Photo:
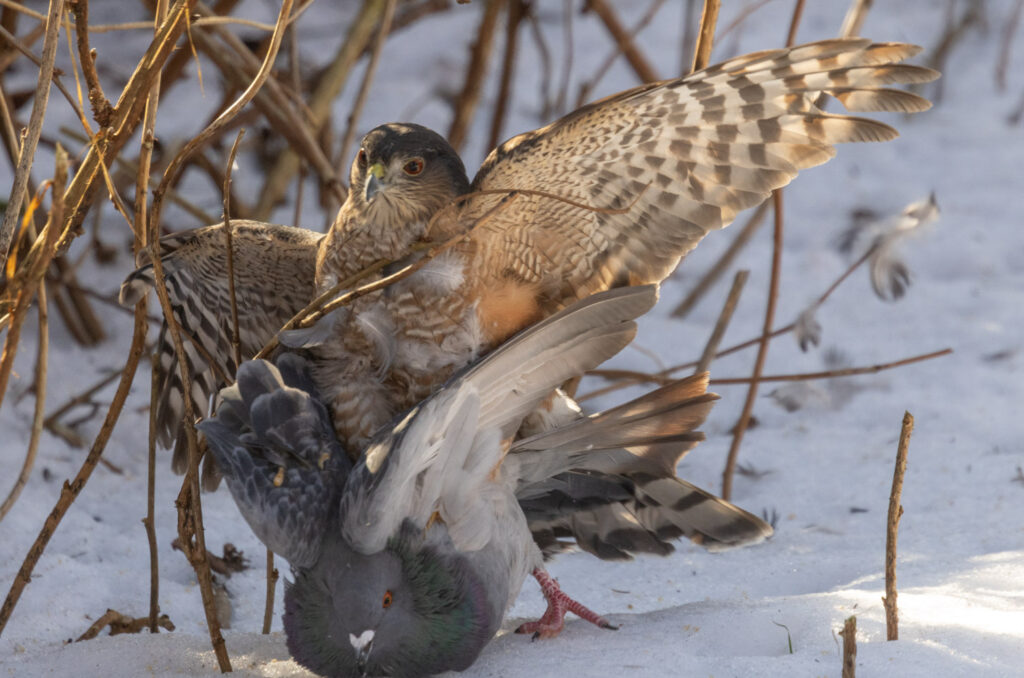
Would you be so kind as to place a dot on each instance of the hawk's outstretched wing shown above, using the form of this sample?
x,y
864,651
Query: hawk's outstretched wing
x,y
684,156
274,279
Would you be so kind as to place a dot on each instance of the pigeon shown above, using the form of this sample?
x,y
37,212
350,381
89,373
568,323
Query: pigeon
x,y
405,562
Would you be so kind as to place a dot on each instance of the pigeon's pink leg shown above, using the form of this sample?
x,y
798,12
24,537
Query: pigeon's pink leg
x,y
550,625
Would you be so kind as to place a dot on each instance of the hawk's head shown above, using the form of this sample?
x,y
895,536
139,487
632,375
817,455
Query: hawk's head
x,y
404,173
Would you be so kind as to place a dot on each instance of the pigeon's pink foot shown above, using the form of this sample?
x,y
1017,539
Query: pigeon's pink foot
x,y
550,625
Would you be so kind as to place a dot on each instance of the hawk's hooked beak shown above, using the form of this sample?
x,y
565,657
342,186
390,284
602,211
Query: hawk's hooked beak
x,y
373,181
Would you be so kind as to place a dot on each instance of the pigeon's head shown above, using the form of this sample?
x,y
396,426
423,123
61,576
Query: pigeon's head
x,y
413,609
404,173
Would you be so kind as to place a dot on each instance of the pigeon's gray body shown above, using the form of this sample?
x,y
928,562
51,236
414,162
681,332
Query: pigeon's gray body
x,y
406,563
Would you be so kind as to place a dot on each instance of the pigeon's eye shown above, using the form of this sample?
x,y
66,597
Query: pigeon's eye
x,y
388,599
413,167
361,157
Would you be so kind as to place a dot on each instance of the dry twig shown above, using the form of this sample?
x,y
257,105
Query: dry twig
x,y
624,40
479,55
516,13
71,490
762,352
364,86
892,527
723,321
849,634
120,623
42,356
723,263
588,87
702,55
35,128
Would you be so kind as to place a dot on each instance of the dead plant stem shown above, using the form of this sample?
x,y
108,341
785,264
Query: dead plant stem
x,y
723,321
892,527
42,356
762,352
706,36
72,489
35,127
364,86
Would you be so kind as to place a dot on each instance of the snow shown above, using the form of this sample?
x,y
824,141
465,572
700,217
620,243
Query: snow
x,y
827,466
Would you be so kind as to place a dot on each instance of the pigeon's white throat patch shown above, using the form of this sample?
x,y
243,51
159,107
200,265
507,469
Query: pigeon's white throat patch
x,y
362,641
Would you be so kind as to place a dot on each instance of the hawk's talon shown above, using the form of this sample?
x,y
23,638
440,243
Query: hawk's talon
x,y
553,620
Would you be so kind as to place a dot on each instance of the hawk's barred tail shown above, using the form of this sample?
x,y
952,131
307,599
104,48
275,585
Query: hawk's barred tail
x,y
616,502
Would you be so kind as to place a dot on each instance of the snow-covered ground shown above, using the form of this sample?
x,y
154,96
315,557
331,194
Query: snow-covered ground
x,y
827,468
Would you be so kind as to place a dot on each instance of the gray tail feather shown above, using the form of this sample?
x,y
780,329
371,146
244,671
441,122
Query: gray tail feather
x,y
648,434
274,444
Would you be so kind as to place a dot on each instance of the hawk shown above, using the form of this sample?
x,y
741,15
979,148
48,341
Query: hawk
x,y
613,194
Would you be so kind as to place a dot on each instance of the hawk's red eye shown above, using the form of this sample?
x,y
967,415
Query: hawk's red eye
x,y
361,158
388,599
414,166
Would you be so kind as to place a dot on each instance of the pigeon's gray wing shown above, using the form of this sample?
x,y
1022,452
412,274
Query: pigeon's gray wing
x,y
274,444
274,270
609,481
444,457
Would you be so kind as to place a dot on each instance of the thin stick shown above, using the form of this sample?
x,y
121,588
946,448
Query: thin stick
x,y
849,634
723,321
516,12
30,276
141,231
236,337
35,127
892,631
190,521
127,113
624,40
190,516
101,108
22,48
268,608
405,271
794,23
833,374
1006,44
723,263
662,378
480,52
666,373
71,490
177,164
330,82
702,55
149,522
762,352
588,87
364,86
327,301
42,356
854,19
